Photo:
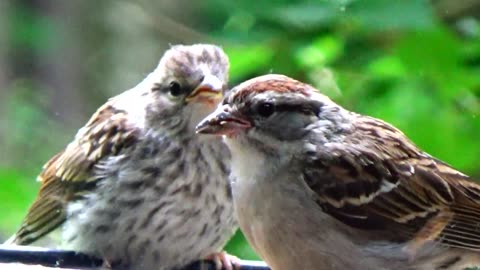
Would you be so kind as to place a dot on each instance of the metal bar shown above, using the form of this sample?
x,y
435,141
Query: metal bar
x,y
71,259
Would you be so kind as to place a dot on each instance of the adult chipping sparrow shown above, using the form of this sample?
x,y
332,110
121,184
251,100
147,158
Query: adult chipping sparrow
x,y
137,186
320,187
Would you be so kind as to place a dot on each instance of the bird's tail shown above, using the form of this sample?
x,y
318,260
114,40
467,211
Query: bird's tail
x,y
11,241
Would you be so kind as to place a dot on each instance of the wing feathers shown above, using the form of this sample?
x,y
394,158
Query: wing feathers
x,y
69,174
385,182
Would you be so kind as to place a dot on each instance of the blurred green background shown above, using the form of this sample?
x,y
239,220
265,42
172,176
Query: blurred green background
x,y
413,63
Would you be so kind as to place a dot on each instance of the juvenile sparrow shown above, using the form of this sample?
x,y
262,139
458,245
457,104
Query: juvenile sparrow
x,y
320,187
137,186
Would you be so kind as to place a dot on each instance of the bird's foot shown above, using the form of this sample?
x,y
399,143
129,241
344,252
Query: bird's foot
x,y
223,260
106,265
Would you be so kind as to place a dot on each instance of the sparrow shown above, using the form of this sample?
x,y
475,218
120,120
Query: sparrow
x,y
137,187
319,187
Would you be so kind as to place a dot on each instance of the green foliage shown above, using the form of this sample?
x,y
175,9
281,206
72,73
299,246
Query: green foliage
x,y
238,246
30,30
16,193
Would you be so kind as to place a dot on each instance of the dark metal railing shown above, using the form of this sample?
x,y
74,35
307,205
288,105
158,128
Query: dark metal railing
x,y
75,260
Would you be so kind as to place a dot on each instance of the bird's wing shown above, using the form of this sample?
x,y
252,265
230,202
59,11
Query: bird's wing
x,y
384,183
69,174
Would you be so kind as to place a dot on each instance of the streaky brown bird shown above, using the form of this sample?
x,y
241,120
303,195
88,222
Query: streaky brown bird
x,y
137,186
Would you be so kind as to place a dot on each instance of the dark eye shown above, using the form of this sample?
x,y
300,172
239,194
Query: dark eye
x,y
265,109
175,89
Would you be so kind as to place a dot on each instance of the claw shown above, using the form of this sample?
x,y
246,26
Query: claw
x,y
225,261
106,265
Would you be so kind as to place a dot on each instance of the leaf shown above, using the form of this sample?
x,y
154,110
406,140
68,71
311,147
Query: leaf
x,y
321,51
383,15
17,192
238,246
247,59
387,66
435,56
305,15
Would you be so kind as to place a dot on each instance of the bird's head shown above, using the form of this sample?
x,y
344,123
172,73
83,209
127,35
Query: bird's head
x,y
271,113
187,85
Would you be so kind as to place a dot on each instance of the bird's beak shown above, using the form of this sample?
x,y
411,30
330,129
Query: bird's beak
x,y
223,122
208,91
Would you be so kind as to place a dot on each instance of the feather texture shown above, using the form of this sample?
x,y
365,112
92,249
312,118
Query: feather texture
x,y
69,174
382,181
320,187
136,186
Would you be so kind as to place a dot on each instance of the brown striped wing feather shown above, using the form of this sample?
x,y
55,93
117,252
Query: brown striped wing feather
x,y
382,182
69,174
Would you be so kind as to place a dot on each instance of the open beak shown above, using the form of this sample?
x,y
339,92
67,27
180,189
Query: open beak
x,y
223,122
208,91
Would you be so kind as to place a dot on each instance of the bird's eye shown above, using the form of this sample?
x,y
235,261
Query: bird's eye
x,y
175,89
265,109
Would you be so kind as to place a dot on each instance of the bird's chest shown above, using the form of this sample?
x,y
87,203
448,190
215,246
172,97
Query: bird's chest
x,y
155,204
287,228
267,221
